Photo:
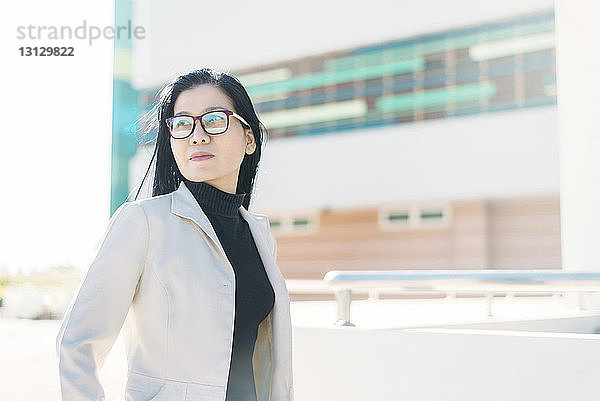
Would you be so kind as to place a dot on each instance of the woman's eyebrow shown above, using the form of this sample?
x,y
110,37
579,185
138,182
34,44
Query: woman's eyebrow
x,y
209,108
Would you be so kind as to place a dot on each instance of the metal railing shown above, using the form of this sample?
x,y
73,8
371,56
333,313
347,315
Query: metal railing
x,y
345,283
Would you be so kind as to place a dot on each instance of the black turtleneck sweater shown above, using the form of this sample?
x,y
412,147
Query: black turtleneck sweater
x,y
254,296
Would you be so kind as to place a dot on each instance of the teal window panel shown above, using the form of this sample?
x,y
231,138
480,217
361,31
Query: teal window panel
x,y
436,97
549,79
432,215
300,222
315,114
429,81
544,16
329,78
416,50
398,217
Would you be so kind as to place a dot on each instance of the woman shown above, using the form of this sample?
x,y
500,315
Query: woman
x,y
188,273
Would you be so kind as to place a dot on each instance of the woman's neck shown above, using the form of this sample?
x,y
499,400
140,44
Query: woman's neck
x,y
214,200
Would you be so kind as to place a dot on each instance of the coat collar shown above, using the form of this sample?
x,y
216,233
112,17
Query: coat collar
x,y
185,205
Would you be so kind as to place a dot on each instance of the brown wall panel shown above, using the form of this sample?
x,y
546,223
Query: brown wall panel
x,y
506,234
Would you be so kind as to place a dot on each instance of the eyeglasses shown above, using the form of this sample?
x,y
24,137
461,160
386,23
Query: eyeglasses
x,y
213,122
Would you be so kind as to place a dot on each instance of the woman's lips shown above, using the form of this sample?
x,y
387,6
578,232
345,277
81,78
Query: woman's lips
x,y
203,157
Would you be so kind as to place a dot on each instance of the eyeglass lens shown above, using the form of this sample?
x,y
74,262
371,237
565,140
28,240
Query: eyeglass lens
x,y
213,123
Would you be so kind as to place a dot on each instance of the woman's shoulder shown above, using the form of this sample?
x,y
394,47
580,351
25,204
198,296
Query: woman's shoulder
x,y
156,204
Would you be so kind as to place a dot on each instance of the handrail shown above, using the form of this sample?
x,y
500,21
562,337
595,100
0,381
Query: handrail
x,y
488,281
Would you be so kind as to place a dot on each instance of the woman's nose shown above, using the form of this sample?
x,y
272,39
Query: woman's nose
x,y
199,135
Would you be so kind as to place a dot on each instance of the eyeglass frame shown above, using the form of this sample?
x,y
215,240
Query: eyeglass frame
x,y
229,113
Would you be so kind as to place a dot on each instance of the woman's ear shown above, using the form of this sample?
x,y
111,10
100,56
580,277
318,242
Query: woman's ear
x,y
250,142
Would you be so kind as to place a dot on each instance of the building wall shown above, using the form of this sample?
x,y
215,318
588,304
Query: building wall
x,y
461,112
506,154
457,116
525,233
519,233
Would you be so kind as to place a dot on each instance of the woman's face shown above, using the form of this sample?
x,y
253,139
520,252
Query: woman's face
x,y
229,148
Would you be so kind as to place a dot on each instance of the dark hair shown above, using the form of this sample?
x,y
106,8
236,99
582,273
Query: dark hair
x,y
167,176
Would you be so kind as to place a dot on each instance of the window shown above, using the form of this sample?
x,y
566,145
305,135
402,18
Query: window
x,y
294,223
414,216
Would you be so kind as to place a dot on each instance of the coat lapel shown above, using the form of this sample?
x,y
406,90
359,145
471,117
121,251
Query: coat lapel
x,y
185,205
264,249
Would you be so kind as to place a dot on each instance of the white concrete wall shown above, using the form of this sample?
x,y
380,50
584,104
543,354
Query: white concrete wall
x,y
246,34
350,364
501,154
568,324
578,86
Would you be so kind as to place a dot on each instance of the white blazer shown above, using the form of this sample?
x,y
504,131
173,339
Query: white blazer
x,y
162,275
